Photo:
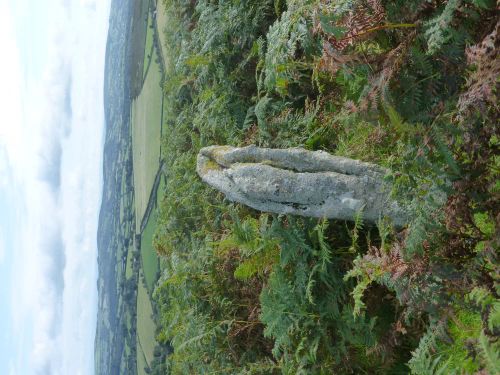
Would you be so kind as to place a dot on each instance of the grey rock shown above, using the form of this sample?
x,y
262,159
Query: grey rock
x,y
299,182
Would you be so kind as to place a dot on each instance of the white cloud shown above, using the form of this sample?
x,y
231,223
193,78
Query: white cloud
x,y
53,154
5,172
2,247
10,97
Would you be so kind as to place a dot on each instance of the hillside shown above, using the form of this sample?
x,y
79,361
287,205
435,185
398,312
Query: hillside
x,y
116,219
128,265
192,283
408,85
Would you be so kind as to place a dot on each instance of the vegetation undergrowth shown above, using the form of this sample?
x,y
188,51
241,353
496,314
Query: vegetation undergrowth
x,y
410,85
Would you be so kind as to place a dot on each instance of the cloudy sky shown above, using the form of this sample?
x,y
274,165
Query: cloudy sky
x,y
51,137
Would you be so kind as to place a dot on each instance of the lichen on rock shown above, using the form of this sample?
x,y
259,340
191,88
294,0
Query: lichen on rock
x,y
299,182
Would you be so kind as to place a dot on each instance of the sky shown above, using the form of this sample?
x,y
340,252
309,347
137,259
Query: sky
x,y
51,147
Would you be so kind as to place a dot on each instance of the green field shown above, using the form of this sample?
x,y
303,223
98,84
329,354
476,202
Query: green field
x,y
161,24
141,364
146,117
160,191
146,135
148,253
149,48
145,329
125,337
138,39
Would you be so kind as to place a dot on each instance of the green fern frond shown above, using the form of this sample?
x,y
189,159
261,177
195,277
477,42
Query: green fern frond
x,y
325,252
357,295
385,230
289,35
439,29
445,152
490,353
423,362
358,225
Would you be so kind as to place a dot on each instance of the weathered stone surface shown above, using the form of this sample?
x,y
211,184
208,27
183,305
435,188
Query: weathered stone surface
x,y
299,182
